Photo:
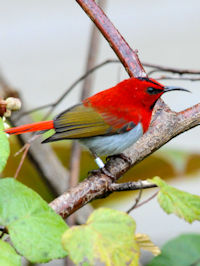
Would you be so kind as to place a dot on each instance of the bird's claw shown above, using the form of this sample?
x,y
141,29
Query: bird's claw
x,y
122,156
94,172
106,172
102,170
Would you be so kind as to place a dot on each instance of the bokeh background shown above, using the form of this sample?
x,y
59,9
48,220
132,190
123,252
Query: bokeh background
x,y
43,48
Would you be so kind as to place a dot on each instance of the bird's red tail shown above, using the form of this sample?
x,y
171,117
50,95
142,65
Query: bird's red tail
x,y
39,126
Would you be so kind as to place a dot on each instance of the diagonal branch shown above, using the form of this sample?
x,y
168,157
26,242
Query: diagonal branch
x,y
126,55
165,125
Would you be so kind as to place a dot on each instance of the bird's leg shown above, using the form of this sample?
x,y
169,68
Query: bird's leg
x,y
122,156
101,165
99,162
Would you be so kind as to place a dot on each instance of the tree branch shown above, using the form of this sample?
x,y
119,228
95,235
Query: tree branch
x,y
174,70
126,55
165,125
139,185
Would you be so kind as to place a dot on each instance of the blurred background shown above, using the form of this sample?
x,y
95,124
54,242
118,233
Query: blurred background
x,y
43,50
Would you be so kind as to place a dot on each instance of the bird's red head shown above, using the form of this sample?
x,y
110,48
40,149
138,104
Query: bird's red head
x,y
132,99
147,91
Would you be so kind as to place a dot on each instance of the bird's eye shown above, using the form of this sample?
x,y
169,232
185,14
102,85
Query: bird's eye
x,y
151,90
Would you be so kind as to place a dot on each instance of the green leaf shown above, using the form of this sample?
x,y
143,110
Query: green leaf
x,y
181,251
172,200
34,228
106,239
8,256
4,147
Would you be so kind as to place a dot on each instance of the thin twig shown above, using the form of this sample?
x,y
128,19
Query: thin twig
x,y
117,187
164,77
147,200
27,146
35,109
111,61
74,84
136,200
174,70
68,90
21,149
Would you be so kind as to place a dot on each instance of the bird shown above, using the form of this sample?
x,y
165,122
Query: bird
x,y
108,122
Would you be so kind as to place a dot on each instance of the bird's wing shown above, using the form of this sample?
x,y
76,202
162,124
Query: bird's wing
x,y
81,122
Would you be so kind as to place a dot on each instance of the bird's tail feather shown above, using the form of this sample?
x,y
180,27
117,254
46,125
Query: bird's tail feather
x,y
39,126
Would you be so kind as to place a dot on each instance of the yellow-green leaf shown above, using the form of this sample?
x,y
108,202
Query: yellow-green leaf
x,y
145,243
8,256
172,200
106,239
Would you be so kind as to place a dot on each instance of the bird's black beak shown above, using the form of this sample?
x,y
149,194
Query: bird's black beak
x,y
174,88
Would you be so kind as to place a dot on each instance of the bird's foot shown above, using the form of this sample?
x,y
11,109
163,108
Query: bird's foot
x,y
102,170
94,172
122,156
108,173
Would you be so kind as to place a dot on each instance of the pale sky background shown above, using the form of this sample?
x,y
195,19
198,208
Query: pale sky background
x,y
43,47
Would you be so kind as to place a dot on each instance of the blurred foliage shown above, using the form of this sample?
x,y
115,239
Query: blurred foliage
x,y
181,251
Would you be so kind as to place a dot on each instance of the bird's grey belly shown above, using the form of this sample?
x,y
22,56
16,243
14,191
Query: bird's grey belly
x,y
114,144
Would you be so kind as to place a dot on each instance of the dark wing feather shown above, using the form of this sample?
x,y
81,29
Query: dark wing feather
x,y
79,122
82,122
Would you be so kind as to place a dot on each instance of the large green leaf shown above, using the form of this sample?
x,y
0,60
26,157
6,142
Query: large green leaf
x,y
4,147
106,239
181,251
172,200
8,256
34,228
